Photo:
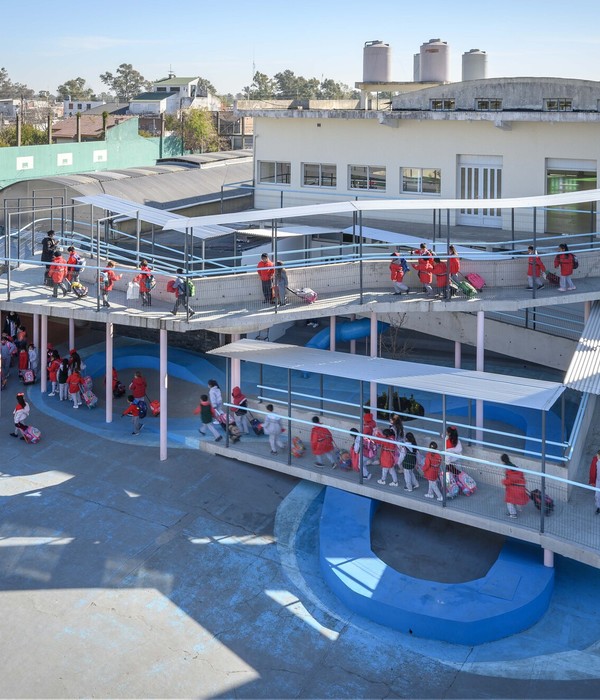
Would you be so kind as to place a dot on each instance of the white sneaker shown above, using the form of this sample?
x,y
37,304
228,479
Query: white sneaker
x,y
416,486
75,406
393,483
52,393
381,481
572,289
440,498
562,289
428,495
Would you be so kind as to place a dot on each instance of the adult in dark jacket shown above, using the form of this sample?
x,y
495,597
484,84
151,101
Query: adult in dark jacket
x,y
49,245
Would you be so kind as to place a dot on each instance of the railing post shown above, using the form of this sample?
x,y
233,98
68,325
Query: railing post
x,y
289,422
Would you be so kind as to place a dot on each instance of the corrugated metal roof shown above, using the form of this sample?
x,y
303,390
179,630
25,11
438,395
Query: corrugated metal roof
x,y
395,205
584,371
468,384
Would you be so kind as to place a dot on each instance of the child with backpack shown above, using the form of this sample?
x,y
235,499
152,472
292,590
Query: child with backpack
x,y
355,456
431,471
204,408
515,495
108,277
321,444
134,411
183,290
388,458
398,268
240,411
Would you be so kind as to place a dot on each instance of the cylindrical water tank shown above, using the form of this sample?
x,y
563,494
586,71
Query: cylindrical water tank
x,y
377,61
435,62
417,67
474,65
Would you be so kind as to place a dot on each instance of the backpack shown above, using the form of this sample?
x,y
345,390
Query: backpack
x,y
575,262
104,279
150,281
80,263
191,288
143,408
297,447
404,264
369,448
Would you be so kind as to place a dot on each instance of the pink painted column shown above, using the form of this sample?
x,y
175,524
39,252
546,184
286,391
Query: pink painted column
x,y
43,353
236,368
457,354
71,333
549,558
108,372
164,382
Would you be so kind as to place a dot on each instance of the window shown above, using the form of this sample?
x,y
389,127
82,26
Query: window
x,y
422,180
559,104
367,177
273,172
488,105
441,105
161,89
319,175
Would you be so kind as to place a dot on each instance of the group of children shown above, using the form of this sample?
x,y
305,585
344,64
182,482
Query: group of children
x,y
64,375
427,266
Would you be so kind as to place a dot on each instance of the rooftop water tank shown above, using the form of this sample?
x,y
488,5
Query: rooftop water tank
x,y
377,61
474,65
435,62
416,67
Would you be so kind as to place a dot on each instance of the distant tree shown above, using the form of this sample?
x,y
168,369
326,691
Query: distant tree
x,y
103,97
291,86
199,130
126,83
9,90
262,88
75,88
332,90
30,136
205,87
227,100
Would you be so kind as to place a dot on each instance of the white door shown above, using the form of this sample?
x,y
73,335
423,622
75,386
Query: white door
x,y
480,180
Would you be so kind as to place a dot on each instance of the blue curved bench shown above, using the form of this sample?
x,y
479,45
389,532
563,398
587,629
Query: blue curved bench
x,y
513,595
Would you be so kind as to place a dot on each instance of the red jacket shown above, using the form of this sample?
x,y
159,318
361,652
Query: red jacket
x,y
142,278
424,267
321,440
593,470
74,382
266,270
396,271
454,266
515,493
132,410
112,278
369,424
431,468
388,454
138,387
535,266
53,370
58,269
565,262
440,270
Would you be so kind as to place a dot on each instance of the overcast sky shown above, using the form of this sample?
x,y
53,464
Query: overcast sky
x,y
43,44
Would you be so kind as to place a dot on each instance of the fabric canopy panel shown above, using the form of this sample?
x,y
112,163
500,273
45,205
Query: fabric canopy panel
x,y
547,200
468,384
584,371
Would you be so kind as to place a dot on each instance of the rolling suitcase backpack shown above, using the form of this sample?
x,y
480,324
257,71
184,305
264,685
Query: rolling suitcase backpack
x,y
536,497
89,398
466,288
297,447
32,435
466,483
552,279
28,376
476,280
256,425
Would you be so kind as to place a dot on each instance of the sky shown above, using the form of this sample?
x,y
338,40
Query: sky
x,y
45,44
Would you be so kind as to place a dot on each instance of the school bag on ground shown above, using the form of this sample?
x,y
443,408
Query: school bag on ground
x,y
31,434
89,398
536,497
234,433
466,483
87,383
297,447
345,461
476,280
451,485
256,425
28,376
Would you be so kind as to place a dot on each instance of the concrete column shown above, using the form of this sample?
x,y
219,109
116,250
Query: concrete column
x,y
549,558
480,368
36,331
373,353
457,354
236,368
332,333
71,333
164,382
43,352
587,306
353,347
108,372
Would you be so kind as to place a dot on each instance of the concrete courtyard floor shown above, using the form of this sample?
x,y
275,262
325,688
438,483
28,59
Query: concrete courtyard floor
x,y
124,576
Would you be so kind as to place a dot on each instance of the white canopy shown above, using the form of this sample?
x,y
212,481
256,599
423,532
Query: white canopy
x,y
468,384
551,200
584,371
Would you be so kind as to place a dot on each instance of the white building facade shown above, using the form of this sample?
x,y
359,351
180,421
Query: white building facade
x,y
511,137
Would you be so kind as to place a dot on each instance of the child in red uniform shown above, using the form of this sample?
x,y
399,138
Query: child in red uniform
x,y
53,375
431,471
388,458
110,277
440,270
424,266
75,384
515,495
397,274
144,280
321,443
133,410
535,268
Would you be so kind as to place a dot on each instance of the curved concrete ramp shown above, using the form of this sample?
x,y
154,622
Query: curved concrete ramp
x,y
513,595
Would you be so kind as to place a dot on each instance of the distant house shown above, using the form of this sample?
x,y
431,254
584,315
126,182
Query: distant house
x,y
172,94
9,108
71,107
91,127
236,131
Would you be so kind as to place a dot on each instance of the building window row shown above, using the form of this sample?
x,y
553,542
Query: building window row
x,y
554,104
488,105
360,177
